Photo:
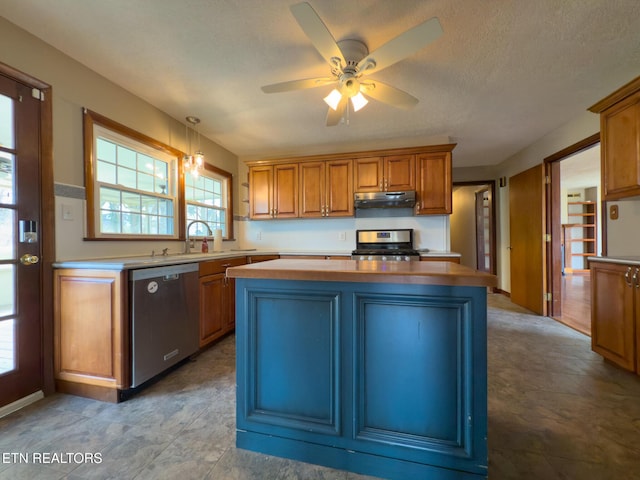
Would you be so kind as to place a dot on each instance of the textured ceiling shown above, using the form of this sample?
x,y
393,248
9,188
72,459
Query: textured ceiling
x,y
503,74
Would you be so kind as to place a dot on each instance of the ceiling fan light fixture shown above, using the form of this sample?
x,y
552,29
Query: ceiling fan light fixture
x,y
358,101
333,99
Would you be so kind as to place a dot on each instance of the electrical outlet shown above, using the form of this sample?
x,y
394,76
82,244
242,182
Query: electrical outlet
x,y
67,212
259,236
342,236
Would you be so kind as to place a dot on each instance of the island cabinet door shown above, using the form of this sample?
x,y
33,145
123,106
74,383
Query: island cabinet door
x,y
419,367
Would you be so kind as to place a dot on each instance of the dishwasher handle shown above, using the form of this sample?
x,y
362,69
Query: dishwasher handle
x,y
171,277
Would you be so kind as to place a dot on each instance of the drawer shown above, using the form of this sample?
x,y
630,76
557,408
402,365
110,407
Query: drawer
x,y
210,267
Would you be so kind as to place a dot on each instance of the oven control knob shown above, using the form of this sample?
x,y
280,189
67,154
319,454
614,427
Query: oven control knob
x,y
383,258
370,257
406,258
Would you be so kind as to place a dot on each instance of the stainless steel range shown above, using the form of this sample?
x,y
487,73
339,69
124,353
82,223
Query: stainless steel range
x,y
385,245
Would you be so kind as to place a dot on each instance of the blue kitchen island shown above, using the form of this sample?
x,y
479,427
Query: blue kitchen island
x,y
378,368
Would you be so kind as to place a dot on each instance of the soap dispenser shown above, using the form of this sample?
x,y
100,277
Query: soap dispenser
x,y
205,245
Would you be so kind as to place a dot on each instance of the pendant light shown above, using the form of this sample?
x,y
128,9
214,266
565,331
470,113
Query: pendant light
x,y
193,162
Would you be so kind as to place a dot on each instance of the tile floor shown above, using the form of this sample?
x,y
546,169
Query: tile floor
x,y
556,411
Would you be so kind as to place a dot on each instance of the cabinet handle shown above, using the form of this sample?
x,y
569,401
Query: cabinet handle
x,y
627,280
635,277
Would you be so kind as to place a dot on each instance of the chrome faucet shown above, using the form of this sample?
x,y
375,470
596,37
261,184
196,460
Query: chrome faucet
x,y
187,248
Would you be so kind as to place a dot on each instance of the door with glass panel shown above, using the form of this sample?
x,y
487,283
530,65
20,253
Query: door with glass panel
x,y
20,242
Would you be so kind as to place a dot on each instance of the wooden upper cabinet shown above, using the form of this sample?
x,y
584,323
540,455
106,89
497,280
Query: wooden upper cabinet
x,y
261,192
324,185
273,191
312,185
326,189
368,175
389,173
285,190
339,188
434,184
400,173
620,141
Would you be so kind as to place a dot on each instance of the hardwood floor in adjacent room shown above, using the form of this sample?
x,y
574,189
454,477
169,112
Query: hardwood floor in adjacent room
x,y
576,303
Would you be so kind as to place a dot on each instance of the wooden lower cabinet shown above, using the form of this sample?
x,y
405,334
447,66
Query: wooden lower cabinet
x,y
261,258
217,299
615,313
91,334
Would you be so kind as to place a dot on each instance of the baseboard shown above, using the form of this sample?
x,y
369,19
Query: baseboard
x,y
21,403
502,292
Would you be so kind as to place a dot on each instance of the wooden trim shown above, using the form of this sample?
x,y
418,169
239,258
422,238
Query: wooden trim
x,y
575,148
47,218
229,177
620,94
96,392
553,227
363,154
91,118
494,219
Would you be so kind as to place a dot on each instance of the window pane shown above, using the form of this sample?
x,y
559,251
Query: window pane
x,y
165,207
109,199
126,157
6,122
146,182
165,226
161,171
106,150
7,235
7,346
127,177
106,172
131,223
7,297
7,187
130,202
149,204
110,222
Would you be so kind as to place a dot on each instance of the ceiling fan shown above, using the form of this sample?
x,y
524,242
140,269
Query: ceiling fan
x,y
351,63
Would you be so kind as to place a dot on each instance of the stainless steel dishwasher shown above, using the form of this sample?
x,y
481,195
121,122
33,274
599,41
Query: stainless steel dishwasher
x,y
164,318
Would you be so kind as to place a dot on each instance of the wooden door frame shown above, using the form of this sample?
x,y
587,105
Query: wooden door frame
x,y
553,223
492,187
47,219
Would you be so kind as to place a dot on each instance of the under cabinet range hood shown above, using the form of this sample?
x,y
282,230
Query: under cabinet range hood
x,y
385,199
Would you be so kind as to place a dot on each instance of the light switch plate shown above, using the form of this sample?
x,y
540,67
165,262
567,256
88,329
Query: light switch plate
x,y
67,212
613,212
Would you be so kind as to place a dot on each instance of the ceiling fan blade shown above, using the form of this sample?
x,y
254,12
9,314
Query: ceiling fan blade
x,y
404,45
297,85
317,32
390,95
334,116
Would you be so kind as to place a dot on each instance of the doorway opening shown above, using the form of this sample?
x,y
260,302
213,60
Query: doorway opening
x,y
576,229
473,226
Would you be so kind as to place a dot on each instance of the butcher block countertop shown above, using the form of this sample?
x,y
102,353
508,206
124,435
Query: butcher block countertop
x,y
411,273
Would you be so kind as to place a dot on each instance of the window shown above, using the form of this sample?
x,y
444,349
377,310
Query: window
x,y
208,198
134,188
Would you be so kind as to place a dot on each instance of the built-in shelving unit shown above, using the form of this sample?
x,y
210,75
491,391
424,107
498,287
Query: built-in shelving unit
x,y
580,235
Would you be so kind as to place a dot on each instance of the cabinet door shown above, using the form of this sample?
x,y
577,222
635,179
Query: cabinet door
x,y
312,189
620,125
612,314
260,192
339,188
213,319
90,331
368,175
434,183
285,190
400,173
